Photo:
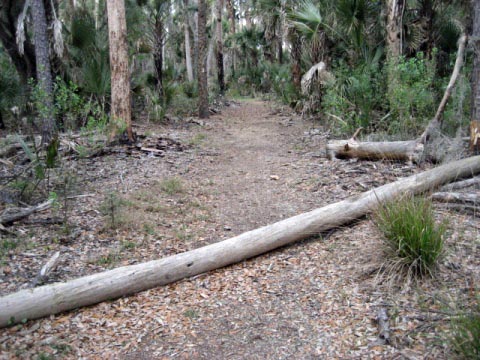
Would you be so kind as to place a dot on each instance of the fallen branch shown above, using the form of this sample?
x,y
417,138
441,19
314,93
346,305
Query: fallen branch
x,y
383,326
452,197
49,266
462,184
107,285
11,215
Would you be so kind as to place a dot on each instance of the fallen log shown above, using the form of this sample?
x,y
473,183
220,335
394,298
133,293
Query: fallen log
x,y
92,289
394,150
11,215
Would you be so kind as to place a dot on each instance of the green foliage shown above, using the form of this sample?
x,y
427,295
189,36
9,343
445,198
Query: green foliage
x,y
411,94
466,333
413,240
278,78
355,96
7,245
10,88
70,106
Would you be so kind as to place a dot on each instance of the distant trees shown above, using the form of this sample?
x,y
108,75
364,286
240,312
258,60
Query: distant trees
x,y
251,46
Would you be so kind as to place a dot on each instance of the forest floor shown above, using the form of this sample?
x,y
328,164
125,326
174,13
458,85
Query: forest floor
x,y
250,165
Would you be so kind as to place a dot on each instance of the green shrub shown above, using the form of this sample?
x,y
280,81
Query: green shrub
x,y
411,94
354,98
466,333
412,239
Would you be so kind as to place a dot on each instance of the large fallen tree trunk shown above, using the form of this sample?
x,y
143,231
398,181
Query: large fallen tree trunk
x,y
55,298
399,150
393,150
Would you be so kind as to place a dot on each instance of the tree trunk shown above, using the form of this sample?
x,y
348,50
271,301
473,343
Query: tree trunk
x,y
231,16
475,41
88,290
121,112
202,60
394,26
158,54
188,47
296,55
219,30
44,73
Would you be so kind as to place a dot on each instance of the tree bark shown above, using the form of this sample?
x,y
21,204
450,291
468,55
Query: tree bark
x,y
203,112
231,16
219,31
394,25
188,46
394,150
296,55
158,54
121,112
88,290
44,73
475,41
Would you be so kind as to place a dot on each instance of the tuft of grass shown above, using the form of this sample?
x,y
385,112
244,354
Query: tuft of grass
x,y
172,186
413,240
197,139
466,333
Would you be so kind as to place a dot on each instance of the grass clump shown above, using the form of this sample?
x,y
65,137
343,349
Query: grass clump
x,y
413,240
466,333
172,186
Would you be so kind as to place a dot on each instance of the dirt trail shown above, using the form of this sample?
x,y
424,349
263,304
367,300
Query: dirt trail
x,y
253,164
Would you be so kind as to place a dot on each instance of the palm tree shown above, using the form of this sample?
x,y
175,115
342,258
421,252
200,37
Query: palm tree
x,y
203,111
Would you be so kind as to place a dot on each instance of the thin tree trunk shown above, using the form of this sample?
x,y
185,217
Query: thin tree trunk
x,y
202,60
44,73
219,30
121,111
107,285
475,41
188,47
158,54
296,55
231,16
